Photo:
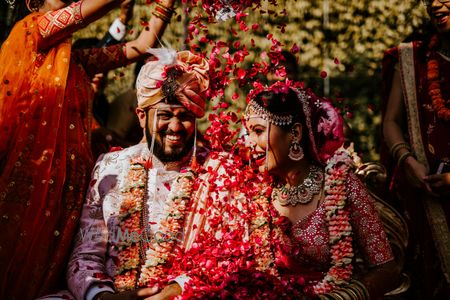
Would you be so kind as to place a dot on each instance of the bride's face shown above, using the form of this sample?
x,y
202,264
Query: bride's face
x,y
261,136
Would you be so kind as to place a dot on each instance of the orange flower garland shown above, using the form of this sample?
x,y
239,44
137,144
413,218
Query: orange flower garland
x,y
434,86
140,260
128,258
177,205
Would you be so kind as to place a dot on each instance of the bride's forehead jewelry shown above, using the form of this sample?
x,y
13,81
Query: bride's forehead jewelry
x,y
255,108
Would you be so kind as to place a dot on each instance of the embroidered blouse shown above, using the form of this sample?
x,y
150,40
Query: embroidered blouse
x,y
311,233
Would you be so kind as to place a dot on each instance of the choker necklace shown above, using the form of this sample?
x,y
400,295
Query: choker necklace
x,y
302,193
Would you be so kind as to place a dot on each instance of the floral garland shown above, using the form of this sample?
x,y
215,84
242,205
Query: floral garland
x,y
266,232
128,258
338,220
148,258
261,236
434,86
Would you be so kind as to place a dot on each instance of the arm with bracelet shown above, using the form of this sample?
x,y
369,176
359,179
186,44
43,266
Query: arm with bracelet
x,y
394,132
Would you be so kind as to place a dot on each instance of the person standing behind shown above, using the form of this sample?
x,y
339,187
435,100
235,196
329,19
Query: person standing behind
x,y
416,129
45,121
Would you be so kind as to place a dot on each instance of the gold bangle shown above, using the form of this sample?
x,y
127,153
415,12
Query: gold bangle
x,y
166,14
352,293
161,16
170,10
397,146
345,294
361,288
403,157
334,295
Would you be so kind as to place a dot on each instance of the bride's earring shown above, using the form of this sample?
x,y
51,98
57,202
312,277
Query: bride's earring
x,y
295,150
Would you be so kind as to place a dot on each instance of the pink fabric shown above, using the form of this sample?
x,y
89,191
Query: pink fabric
x,y
325,125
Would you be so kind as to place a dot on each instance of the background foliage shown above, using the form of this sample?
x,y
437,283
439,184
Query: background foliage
x,y
344,38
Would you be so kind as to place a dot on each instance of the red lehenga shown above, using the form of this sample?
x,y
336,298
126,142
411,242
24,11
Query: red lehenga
x,y
311,248
45,157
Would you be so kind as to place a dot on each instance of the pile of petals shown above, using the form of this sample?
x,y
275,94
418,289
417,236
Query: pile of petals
x,y
224,271
234,264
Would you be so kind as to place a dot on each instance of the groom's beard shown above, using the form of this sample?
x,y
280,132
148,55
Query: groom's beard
x,y
170,154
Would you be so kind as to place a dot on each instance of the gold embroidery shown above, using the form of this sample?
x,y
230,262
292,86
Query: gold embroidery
x,y
55,21
406,56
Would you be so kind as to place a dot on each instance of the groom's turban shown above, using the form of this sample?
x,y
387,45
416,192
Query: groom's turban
x,y
185,78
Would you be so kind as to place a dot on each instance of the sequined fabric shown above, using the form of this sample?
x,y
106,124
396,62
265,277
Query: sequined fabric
x,y
45,157
311,234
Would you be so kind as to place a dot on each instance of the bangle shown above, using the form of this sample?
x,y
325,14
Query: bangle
x,y
397,146
360,289
342,294
403,157
170,10
161,16
163,12
329,296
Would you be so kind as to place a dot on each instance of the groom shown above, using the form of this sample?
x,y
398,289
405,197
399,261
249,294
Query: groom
x,y
127,221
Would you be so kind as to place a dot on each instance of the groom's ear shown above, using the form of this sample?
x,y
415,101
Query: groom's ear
x,y
142,117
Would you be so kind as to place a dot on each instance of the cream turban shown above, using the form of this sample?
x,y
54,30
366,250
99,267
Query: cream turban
x,y
186,78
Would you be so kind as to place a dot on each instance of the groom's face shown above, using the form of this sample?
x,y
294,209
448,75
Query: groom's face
x,y
172,126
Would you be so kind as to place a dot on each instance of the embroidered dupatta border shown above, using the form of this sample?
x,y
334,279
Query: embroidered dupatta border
x,y
433,209
200,199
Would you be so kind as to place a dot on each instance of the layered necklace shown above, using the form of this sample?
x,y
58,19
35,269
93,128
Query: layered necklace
x,y
302,193
440,105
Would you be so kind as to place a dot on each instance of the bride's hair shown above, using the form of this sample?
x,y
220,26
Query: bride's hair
x,y
322,126
285,104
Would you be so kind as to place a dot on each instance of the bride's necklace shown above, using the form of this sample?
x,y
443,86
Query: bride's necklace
x,y
302,193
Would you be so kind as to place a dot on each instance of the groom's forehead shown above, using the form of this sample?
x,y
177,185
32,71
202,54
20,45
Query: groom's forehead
x,y
167,106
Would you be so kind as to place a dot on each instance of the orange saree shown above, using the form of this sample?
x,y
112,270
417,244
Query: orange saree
x,y
44,159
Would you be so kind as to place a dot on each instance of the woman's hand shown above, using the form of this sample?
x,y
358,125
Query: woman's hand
x,y
415,173
126,11
440,183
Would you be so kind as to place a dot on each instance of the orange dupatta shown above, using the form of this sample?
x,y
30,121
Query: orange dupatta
x,y
33,163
